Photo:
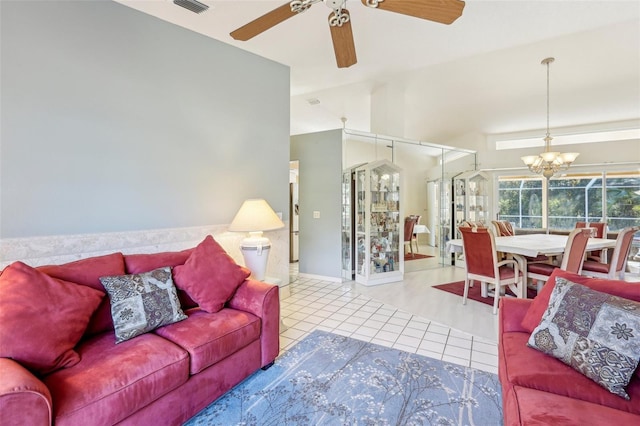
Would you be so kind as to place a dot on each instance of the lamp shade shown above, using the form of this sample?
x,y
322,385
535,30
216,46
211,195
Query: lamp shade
x,y
255,215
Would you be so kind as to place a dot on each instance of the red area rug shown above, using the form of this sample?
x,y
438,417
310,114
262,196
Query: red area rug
x,y
415,256
457,288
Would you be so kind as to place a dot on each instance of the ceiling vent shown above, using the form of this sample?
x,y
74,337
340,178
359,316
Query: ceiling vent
x,y
192,5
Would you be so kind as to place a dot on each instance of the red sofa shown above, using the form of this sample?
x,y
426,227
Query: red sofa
x,y
162,377
538,389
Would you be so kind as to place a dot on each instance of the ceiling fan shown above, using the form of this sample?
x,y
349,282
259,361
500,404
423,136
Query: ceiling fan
x,y
442,11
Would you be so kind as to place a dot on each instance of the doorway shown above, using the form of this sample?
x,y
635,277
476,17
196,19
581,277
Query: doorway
x,y
294,212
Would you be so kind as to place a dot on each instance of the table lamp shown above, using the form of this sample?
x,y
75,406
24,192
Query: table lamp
x,y
254,217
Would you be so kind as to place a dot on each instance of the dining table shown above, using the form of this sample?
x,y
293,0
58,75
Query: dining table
x,y
520,247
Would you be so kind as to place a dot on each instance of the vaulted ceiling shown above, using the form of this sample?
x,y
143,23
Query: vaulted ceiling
x,y
480,74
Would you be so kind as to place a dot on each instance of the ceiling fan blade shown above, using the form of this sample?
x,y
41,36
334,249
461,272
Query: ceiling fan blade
x,y
442,11
263,23
343,44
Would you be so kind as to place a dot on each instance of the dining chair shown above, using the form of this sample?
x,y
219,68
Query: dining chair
x,y
572,259
503,228
481,264
617,265
409,223
599,227
414,237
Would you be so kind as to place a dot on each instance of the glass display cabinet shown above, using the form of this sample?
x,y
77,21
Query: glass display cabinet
x,y
470,203
348,180
379,253
444,210
470,199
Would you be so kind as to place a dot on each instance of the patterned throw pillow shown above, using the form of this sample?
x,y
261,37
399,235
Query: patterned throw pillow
x,y
142,302
595,333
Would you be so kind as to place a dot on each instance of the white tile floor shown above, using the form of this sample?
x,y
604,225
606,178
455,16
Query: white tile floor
x,y
353,310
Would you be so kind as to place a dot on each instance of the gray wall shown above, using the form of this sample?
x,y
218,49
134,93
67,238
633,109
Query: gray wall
x,y
320,157
113,120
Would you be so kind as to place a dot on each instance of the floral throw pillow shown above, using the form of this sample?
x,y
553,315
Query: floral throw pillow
x,y
595,333
142,302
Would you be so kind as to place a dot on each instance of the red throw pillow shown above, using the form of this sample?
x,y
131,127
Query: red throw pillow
x,y
42,318
88,272
539,305
210,276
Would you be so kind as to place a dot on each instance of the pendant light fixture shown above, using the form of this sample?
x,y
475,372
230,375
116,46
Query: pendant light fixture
x,y
549,162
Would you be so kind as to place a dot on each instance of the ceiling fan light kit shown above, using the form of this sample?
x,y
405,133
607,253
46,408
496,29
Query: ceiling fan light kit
x,y
441,11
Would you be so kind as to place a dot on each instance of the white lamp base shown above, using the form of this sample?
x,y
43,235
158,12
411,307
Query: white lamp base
x,y
255,250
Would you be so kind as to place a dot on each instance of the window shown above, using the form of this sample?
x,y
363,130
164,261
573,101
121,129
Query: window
x,y
572,198
520,202
623,200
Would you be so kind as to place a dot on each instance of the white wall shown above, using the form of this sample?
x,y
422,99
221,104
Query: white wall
x,y
320,168
114,121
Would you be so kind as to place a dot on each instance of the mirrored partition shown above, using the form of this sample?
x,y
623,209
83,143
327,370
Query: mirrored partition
x,y
429,172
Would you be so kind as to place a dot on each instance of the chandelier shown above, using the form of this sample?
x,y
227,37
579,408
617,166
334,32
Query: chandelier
x,y
549,162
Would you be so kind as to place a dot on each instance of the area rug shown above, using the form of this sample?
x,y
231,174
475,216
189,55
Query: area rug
x,y
327,379
457,288
416,256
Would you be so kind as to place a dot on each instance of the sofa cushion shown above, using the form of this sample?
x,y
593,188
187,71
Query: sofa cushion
x,y
42,318
142,302
524,406
210,276
540,303
88,272
138,263
113,381
523,366
595,333
211,337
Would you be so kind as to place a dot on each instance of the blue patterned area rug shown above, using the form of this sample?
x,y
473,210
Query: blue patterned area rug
x,y
328,379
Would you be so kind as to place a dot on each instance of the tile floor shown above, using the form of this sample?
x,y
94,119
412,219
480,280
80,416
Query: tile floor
x,y
408,315
346,309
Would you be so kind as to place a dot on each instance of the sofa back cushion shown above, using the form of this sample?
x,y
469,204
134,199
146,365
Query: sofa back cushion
x,y
141,263
539,305
43,318
88,272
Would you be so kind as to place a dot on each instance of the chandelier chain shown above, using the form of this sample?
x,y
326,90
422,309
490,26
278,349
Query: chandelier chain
x,y
548,103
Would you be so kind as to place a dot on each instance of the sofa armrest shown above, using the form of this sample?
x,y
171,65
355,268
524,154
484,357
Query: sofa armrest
x,y
262,300
24,399
512,311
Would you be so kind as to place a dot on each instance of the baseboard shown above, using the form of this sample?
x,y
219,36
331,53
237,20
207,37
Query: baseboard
x,y
320,277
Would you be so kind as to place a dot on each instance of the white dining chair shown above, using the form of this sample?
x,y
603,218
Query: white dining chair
x,y
617,265
572,259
